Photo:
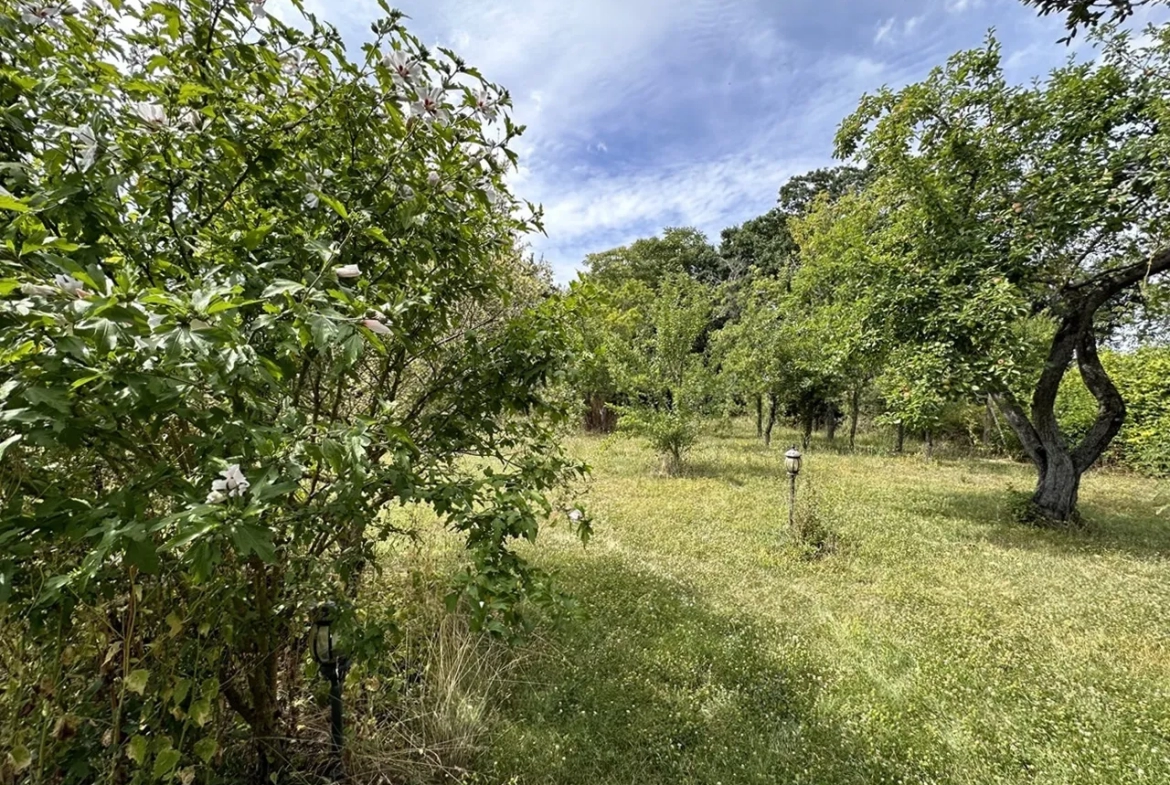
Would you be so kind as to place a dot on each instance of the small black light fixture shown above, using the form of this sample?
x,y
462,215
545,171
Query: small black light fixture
x,y
328,654
792,465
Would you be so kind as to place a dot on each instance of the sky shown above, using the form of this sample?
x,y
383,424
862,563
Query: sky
x,y
644,114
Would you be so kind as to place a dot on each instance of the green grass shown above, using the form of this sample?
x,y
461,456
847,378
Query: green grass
x,y
941,643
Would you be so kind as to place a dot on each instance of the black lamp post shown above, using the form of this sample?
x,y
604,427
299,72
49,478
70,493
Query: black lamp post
x,y
792,464
333,665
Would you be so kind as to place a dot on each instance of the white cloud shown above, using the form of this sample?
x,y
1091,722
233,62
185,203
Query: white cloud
x,y
959,6
705,106
890,33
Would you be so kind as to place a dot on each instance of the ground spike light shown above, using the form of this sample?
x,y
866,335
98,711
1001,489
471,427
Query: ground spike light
x,y
333,664
792,464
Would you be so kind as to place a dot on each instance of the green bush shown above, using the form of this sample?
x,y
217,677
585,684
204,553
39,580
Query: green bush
x,y
1143,378
251,292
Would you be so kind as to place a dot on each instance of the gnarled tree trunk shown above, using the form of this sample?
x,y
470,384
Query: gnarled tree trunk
x,y
1058,466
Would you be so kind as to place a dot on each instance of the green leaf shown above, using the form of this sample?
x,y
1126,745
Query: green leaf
x,y
191,90
281,287
21,758
136,749
12,204
250,538
55,399
136,681
165,762
336,206
143,555
253,238
200,712
206,749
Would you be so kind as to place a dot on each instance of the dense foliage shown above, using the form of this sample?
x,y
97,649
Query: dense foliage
x,y
253,294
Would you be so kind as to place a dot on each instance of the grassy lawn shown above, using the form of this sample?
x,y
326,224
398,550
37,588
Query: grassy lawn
x,y
940,643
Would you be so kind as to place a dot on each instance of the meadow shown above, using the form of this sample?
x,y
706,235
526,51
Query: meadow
x,y
935,640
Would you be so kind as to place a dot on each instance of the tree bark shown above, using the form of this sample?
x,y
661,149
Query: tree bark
x,y
772,404
929,444
900,444
831,424
759,416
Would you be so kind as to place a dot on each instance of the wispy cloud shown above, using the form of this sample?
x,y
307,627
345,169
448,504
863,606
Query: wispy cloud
x,y
649,113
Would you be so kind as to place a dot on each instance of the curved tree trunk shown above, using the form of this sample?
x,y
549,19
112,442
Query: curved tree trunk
x,y
1059,467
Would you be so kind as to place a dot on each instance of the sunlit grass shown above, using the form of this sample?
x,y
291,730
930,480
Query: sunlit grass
x,y
940,643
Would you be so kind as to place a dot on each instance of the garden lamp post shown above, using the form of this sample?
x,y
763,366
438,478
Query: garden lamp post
x,y
333,665
792,464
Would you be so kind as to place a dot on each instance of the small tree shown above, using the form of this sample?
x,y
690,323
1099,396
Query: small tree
x,y
663,375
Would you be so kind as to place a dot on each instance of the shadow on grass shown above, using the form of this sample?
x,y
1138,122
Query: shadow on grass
x,y
652,685
1105,530
767,467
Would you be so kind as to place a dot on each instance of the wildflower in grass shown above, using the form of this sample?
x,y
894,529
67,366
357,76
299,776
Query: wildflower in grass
x,y
348,271
576,515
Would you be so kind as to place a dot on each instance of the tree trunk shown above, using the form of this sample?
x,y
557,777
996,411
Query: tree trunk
x,y
901,442
1056,490
831,422
1058,467
806,436
929,444
854,414
759,416
772,403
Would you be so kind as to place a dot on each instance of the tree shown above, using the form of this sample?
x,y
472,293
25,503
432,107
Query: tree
x,y
652,259
995,207
765,243
252,292
661,372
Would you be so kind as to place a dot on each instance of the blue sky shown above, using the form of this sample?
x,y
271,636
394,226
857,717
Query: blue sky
x,y
650,113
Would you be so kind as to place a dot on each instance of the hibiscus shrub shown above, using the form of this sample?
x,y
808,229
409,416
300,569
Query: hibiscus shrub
x,y
252,292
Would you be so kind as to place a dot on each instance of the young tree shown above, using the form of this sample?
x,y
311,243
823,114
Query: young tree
x,y
251,293
665,378
996,206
